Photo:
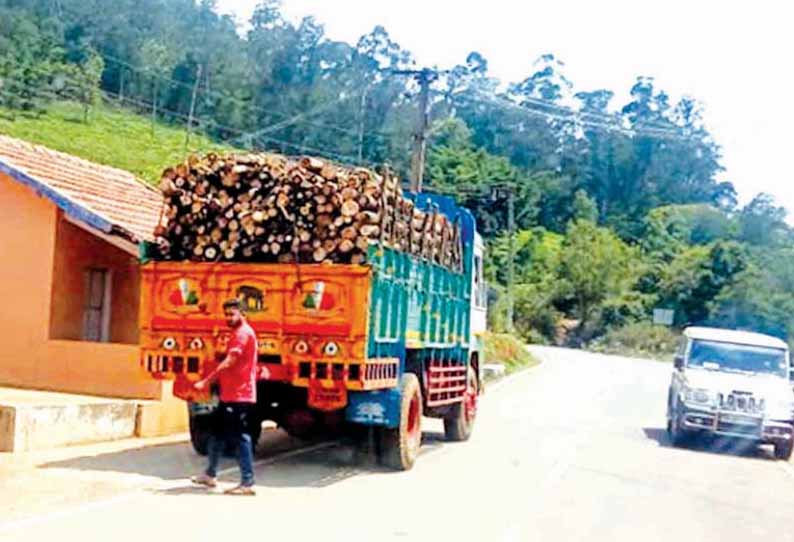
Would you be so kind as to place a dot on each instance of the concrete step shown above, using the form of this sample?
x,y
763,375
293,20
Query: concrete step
x,y
37,420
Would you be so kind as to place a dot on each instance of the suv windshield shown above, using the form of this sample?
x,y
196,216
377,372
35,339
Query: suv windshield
x,y
738,358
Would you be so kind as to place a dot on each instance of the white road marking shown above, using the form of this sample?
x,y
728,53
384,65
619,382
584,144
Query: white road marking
x,y
165,486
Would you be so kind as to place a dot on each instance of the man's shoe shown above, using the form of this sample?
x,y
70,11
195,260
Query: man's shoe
x,y
204,480
241,490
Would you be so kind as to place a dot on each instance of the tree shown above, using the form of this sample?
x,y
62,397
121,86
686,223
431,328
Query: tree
x,y
670,228
596,268
697,276
537,257
456,167
584,208
88,76
763,223
158,61
31,57
754,302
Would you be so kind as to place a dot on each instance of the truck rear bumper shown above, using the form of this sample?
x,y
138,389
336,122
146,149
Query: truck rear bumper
x,y
381,408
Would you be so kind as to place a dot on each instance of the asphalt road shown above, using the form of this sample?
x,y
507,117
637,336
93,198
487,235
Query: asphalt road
x,y
572,450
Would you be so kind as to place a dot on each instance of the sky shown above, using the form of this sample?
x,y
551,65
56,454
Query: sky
x,y
735,58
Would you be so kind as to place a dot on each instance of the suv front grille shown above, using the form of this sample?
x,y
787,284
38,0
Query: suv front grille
x,y
739,401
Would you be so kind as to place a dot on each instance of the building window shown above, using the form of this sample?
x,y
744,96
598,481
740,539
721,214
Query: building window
x,y
96,313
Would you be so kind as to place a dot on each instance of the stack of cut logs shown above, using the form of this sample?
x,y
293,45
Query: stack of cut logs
x,y
270,208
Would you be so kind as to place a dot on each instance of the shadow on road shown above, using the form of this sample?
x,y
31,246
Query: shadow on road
x,y
713,445
169,461
314,468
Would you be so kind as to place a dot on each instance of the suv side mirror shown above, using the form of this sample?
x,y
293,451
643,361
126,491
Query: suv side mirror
x,y
678,361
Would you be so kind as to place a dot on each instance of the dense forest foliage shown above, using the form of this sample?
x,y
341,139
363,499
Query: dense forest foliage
x,y
618,207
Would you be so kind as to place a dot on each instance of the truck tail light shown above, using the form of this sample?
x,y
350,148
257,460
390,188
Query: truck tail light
x,y
301,347
331,349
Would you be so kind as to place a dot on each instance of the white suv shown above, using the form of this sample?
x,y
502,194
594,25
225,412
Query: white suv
x,y
733,384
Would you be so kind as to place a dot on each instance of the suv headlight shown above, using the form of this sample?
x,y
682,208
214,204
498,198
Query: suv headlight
x,y
698,396
780,409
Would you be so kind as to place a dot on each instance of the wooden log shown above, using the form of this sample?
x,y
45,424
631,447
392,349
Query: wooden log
x,y
263,207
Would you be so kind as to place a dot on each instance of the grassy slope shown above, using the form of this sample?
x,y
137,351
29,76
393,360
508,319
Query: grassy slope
x,y
112,136
508,350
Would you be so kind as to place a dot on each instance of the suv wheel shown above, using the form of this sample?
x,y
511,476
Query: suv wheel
x,y
676,433
783,450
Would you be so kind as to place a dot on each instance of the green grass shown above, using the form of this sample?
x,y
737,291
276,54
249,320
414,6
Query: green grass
x,y
112,136
508,350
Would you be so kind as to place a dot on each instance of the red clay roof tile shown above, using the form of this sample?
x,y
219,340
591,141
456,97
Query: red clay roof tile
x,y
113,194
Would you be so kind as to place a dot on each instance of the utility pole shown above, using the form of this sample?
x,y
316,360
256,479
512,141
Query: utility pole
x,y
155,92
362,117
511,256
192,106
424,78
420,134
507,191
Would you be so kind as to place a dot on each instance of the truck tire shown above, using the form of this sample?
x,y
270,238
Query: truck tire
x,y
783,450
300,423
460,424
255,431
399,447
200,429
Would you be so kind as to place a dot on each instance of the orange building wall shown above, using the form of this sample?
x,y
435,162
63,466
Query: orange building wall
x,y
76,251
27,239
28,356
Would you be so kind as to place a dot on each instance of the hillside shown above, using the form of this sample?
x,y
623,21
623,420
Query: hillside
x,y
113,136
619,206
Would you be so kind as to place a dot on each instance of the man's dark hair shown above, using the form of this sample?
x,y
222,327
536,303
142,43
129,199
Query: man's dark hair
x,y
233,304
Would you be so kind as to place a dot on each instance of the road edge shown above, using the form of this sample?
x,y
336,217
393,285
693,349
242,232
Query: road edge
x,y
499,382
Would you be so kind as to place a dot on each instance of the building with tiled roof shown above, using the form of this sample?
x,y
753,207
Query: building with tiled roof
x,y
70,273
111,200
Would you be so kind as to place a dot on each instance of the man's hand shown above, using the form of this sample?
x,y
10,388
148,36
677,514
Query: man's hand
x,y
230,360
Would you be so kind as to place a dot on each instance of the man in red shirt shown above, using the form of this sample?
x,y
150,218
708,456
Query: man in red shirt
x,y
236,376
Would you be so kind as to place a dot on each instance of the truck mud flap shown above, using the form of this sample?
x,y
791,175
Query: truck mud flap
x,y
374,408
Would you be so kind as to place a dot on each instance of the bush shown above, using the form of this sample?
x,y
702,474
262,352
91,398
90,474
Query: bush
x,y
640,339
535,317
508,350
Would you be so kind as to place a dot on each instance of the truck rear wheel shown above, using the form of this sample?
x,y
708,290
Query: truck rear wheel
x,y
300,423
460,424
200,430
255,431
399,447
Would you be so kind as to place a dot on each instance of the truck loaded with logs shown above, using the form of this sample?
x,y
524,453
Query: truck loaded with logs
x,y
368,302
